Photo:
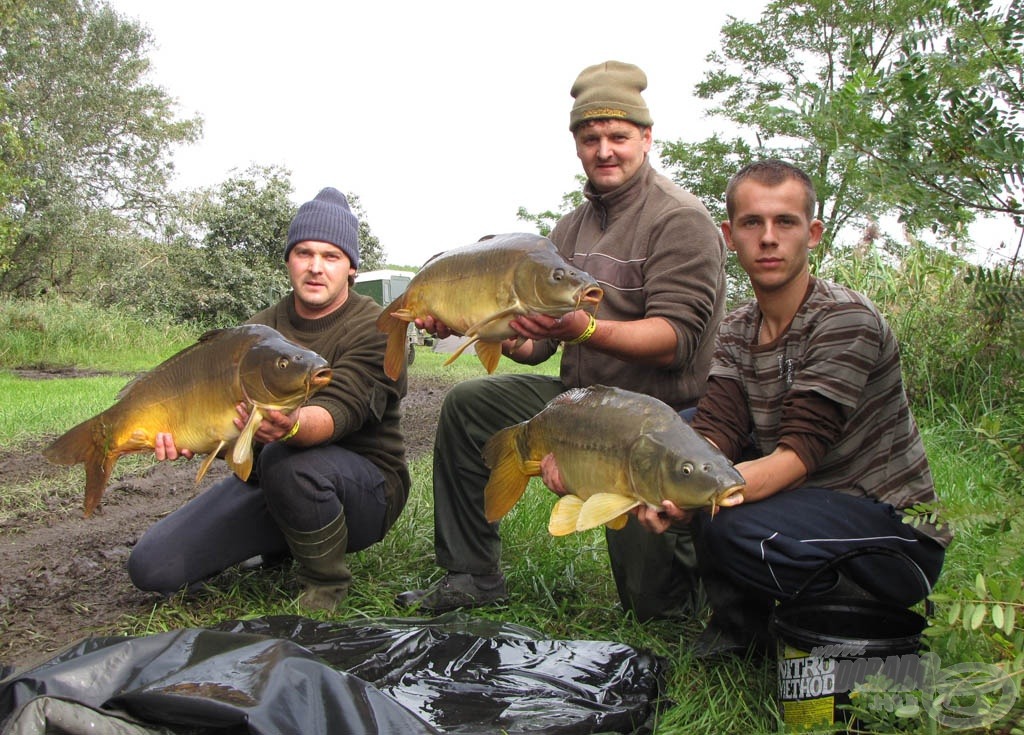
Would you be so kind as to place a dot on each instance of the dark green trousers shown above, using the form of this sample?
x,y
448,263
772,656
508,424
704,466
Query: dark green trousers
x,y
656,575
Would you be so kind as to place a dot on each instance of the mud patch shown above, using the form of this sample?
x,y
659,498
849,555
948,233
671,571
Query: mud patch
x,y
63,578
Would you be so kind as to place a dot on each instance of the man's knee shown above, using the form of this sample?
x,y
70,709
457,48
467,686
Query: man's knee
x,y
149,572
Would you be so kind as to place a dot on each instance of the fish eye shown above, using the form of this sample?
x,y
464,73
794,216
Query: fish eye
x,y
558,274
282,362
687,468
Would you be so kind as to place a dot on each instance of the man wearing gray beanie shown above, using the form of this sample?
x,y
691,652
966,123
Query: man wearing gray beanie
x,y
331,476
661,261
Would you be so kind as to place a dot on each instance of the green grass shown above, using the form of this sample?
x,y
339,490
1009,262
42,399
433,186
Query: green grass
x,y
55,333
36,407
560,587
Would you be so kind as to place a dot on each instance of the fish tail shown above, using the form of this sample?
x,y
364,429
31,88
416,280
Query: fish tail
x,y
86,443
393,322
509,476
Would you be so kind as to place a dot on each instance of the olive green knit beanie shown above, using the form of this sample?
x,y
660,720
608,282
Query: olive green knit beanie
x,y
610,90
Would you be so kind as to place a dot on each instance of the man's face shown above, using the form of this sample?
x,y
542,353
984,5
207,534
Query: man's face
x,y
319,274
611,151
771,233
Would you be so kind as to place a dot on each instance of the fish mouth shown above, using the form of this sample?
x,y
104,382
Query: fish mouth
x,y
730,491
728,494
589,295
320,378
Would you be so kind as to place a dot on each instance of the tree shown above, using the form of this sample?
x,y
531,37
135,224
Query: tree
x,y
371,254
72,76
249,213
892,106
940,130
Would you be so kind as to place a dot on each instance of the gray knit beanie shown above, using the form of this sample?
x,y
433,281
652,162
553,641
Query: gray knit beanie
x,y
326,219
610,90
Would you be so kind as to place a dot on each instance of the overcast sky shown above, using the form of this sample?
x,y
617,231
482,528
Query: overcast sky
x,y
444,117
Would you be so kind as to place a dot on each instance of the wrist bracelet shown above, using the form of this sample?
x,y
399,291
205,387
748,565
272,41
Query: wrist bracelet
x,y
291,432
586,334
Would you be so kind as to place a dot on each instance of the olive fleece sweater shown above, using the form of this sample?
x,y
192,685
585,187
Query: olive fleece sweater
x,y
656,252
364,402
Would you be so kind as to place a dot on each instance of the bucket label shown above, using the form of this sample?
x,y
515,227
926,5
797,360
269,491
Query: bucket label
x,y
807,685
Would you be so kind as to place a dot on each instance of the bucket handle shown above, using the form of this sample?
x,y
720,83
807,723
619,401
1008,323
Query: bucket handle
x,y
929,606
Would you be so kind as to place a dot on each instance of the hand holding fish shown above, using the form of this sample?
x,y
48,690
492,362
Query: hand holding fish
x,y
660,520
165,449
476,290
541,326
191,397
434,326
274,427
550,475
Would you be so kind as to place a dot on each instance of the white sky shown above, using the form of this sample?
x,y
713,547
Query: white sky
x,y
444,117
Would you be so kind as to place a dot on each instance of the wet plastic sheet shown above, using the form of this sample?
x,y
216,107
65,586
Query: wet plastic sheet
x,y
290,674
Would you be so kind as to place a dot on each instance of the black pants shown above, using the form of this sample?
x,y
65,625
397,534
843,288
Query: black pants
x,y
771,547
231,521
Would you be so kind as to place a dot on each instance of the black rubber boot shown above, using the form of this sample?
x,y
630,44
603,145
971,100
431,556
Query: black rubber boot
x,y
456,590
739,617
322,567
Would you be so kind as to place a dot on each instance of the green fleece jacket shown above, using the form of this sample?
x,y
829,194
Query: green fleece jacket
x,y
364,402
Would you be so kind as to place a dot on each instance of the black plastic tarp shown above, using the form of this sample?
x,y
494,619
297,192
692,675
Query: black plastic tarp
x,y
288,674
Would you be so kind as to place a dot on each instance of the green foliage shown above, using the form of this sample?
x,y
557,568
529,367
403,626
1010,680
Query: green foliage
x,y
249,214
57,333
958,354
371,254
188,284
96,137
900,106
939,127
981,609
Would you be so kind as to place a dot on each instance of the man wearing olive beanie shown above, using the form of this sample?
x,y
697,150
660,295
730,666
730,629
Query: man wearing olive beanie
x,y
330,477
661,261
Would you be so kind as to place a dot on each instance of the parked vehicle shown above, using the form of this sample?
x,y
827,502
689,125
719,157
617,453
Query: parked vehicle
x,y
384,286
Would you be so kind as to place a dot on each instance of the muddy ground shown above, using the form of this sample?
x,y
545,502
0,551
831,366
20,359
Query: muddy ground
x,y
63,578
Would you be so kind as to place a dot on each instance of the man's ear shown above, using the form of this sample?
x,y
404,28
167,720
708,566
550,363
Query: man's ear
x,y
817,229
727,234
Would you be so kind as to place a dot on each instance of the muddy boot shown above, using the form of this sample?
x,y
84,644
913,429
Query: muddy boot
x,y
738,625
322,567
739,617
455,590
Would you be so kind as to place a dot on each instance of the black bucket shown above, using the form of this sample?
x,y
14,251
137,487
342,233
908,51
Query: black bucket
x,y
828,645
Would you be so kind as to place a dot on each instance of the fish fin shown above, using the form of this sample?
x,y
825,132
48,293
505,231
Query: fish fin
x,y
97,475
394,322
509,475
489,354
460,350
601,508
209,461
240,457
487,320
618,523
85,443
76,444
564,515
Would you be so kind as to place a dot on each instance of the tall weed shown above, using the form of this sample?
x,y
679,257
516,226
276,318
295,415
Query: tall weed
x,y
956,359
58,333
